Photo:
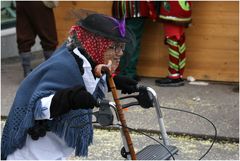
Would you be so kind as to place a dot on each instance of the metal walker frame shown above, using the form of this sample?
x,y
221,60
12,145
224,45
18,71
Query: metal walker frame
x,y
163,151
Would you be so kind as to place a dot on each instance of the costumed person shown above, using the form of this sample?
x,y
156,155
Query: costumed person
x,y
176,16
33,19
135,13
61,92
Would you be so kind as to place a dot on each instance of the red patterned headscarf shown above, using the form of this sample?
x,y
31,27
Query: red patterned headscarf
x,y
94,45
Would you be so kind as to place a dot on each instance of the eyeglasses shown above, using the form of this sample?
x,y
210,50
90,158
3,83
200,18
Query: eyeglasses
x,y
118,47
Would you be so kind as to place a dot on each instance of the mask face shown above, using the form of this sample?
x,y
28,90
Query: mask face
x,y
114,53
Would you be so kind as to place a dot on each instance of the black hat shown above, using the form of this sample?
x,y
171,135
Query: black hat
x,y
107,27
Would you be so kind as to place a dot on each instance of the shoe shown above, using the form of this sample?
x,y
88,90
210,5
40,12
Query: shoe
x,y
168,82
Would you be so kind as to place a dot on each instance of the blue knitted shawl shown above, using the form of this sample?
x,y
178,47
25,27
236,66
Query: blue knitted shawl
x,y
59,72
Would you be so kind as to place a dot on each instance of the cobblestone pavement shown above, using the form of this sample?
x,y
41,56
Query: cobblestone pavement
x,y
107,145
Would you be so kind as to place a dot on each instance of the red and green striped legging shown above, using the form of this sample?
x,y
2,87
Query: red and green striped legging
x,y
177,56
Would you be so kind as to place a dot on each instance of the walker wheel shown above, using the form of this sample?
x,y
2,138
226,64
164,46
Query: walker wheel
x,y
124,153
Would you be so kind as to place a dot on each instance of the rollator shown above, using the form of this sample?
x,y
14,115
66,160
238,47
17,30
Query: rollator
x,y
146,98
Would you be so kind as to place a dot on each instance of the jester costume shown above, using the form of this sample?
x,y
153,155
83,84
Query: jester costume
x,y
175,16
135,13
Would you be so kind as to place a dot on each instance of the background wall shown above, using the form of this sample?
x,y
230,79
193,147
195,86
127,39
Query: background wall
x,y
212,40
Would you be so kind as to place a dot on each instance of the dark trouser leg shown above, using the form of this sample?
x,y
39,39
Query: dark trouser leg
x,y
34,18
129,61
26,62
25,37
43,21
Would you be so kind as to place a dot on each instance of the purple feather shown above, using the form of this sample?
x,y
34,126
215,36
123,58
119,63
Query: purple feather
x,y
121,25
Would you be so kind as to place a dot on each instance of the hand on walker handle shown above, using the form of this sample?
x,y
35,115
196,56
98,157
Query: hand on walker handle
x,y
102,68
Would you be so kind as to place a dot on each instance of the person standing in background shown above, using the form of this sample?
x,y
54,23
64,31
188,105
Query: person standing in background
x,y
35,18
176,16
135,13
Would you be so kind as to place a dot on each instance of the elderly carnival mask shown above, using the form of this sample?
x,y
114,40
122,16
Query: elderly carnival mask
x,y
114,53
111,58
103,38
